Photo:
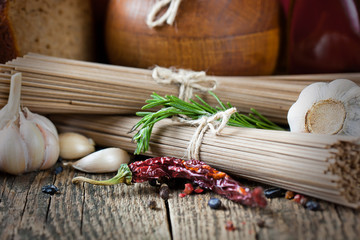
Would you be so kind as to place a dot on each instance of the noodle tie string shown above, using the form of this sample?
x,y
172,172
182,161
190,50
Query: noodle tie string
x,y
168,16
204,123
188,80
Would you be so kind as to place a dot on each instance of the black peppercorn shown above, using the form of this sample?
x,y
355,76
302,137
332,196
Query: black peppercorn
x,y
312,205
260,223
50,189
214,203
164,191
58,170
274,192
152,204
153,182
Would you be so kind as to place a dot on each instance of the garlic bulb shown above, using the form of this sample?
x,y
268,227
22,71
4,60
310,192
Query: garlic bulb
x,y
74,145
103,161
28,141
327,108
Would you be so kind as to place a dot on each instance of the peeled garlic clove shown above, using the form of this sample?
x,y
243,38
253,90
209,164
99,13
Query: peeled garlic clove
x,y
75,146
327,108
103,161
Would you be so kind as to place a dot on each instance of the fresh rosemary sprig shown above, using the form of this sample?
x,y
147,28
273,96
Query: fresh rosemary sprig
x,y
173,106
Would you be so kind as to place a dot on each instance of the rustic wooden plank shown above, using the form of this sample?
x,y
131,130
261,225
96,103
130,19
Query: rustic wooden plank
x,y
13,202
8,215
121,211
33,220
350,222
289,219
65,209
78,211
191,218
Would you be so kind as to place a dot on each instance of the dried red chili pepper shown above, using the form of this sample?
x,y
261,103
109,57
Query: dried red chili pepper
x,y
188,188
182,195
289,195
301,199
198,190
229,226
200,173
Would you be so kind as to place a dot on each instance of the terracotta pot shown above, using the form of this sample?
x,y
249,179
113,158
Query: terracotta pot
x,y
222,37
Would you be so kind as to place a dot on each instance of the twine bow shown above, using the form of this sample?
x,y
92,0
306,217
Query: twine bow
x,y
168,16
204,123
188,80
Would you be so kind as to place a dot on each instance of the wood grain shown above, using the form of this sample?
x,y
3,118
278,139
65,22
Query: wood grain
x,y
78,212
283,218
121,212
223,37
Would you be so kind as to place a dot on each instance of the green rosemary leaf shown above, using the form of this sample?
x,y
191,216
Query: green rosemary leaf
x,y
219,109
187,107
142,114
136,126
240,119
263,118
155,104
175,101
157,96
173,106
206,105
202,107
249,119
236,124
160,118
218,100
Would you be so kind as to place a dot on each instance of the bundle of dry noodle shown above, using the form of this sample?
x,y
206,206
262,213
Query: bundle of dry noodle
x,y
322,166
55,85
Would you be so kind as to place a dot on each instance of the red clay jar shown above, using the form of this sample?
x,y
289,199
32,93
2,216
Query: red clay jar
x,y
324,36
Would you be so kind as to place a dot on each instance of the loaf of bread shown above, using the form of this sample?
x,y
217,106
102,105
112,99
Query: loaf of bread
x,y
61,28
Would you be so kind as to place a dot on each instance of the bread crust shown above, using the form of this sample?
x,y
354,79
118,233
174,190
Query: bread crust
x,y
8,46
55,28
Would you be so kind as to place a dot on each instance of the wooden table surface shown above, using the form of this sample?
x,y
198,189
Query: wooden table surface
x,y
121,212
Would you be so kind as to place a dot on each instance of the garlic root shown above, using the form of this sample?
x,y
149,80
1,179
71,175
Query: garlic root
x,y
327,108
327,111
74,145
103,161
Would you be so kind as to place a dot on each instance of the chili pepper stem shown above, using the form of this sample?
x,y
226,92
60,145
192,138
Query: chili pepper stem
x,y
124,175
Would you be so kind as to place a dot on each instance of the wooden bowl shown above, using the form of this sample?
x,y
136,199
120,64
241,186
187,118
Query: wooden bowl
x,y
222,37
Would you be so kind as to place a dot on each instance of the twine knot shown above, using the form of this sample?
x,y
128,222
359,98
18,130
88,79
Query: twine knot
x,y
204,123
188,81
168,16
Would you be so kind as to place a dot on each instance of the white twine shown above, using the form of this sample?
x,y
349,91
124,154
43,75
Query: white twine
x,y
168,16
188,81
204,123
